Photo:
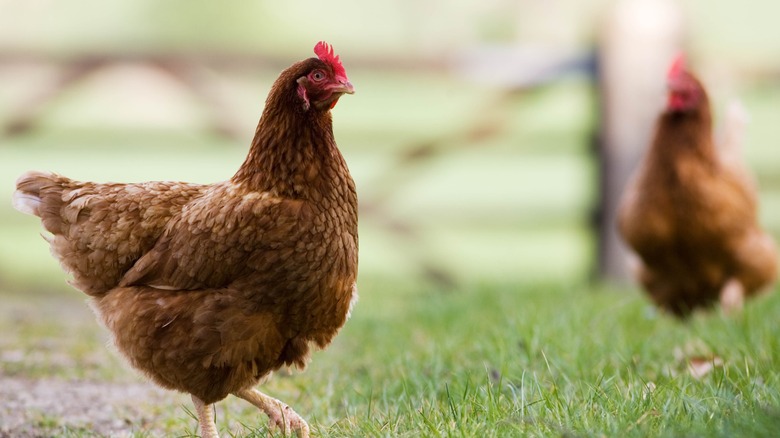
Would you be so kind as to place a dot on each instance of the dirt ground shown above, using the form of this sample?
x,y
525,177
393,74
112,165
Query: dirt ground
x,y
58,377
46,407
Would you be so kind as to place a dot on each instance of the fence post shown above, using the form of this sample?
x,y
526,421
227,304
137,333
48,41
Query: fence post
x,y
638,40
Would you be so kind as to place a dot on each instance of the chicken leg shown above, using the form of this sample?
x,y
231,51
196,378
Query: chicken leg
x,y
280,414
208,428
732,297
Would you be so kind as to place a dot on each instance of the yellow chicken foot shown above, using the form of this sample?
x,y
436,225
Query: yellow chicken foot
x,y
280,414
208,428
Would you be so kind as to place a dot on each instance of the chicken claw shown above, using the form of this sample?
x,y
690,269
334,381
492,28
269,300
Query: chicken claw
x,y
282,416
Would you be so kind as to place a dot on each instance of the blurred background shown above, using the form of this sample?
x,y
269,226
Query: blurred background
x,y
481,137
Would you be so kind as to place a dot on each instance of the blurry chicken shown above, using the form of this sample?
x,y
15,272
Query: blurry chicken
x,y
207,289
690,211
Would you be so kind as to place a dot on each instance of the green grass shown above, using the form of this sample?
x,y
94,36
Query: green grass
x,y
542,360
486,360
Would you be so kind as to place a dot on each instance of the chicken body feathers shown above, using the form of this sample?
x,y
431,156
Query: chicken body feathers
x,y
206,300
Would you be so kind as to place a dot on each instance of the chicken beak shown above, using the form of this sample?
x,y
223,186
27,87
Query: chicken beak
x,y
344,86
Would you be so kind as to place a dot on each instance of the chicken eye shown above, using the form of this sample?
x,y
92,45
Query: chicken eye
x,y
318,75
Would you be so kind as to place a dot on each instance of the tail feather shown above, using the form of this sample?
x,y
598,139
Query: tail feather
x,y
99,231
732,131
27,197
731,143
40,194
26,203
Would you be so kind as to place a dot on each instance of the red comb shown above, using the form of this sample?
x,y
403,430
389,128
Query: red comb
x,y
324,51
678,66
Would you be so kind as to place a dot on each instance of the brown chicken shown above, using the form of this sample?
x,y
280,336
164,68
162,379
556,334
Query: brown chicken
x,y
690,212
208,289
